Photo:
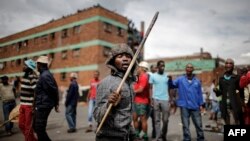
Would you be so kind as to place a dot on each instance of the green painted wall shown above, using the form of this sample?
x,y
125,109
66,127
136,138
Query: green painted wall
x,y
59,49
205,65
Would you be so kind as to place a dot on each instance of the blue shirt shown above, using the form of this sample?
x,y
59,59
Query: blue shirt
x,y
160,86
189,92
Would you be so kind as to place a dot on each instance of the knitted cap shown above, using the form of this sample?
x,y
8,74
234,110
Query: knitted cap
x,y
119,49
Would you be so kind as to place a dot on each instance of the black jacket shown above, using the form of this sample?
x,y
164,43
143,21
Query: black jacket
x,y
47,94
72,94
228,88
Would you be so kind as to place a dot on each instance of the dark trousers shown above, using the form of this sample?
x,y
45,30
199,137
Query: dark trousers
x,y
153,121
40,123
7,108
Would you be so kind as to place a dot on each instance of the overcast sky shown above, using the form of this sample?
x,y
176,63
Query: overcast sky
x,y
221,27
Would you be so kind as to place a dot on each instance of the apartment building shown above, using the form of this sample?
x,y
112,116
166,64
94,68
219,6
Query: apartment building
x,y
75,43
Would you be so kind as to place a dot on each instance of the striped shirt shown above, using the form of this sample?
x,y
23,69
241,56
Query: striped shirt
x,y
27,89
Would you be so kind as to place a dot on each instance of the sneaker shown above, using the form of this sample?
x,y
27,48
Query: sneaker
x,y
72,130
208,126
89,129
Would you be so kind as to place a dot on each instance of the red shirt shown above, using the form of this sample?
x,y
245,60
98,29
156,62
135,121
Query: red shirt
x,y
245,80
93,87
143,97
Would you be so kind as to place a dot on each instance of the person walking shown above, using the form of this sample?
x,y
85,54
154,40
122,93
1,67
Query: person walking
x,y
141,101
153,69
214,101
231,107
71,103
160,99
9,102
92,99
47,97
190,102
27,94
117,126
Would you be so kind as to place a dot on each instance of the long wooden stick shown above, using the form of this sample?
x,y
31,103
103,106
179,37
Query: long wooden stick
x,y
5,122
130,67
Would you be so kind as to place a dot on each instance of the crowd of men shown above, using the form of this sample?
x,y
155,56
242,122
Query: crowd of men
x,y
148,92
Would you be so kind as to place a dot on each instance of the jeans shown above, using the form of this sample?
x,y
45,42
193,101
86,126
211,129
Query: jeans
x,y
40,123
196,118
7,108
90,110
25,122
71,116
161,106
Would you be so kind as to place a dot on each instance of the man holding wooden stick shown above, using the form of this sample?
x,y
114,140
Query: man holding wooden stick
x,y
117,126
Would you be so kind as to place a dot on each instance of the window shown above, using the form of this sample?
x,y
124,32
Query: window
x,y
36,40
25,43
76,29
64,54
76,52
19,45
3,49
12,62
107,27
119,31
52,55
63,76
2,65
24,59
52,36
18,62
106,51
13,46
44,38
64,33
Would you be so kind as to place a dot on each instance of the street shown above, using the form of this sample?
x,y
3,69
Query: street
x,y
57,128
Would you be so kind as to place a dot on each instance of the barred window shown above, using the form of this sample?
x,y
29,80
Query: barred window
x,y
106,51
52,36
63,76
44,38
120,31
76,29
64,33
76,52
64,54
107,27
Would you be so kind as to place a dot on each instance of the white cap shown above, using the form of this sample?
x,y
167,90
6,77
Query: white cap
x,y
144,65
73,75
43,59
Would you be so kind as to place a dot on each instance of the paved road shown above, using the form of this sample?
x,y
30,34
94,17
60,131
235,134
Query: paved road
x,y
57,128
